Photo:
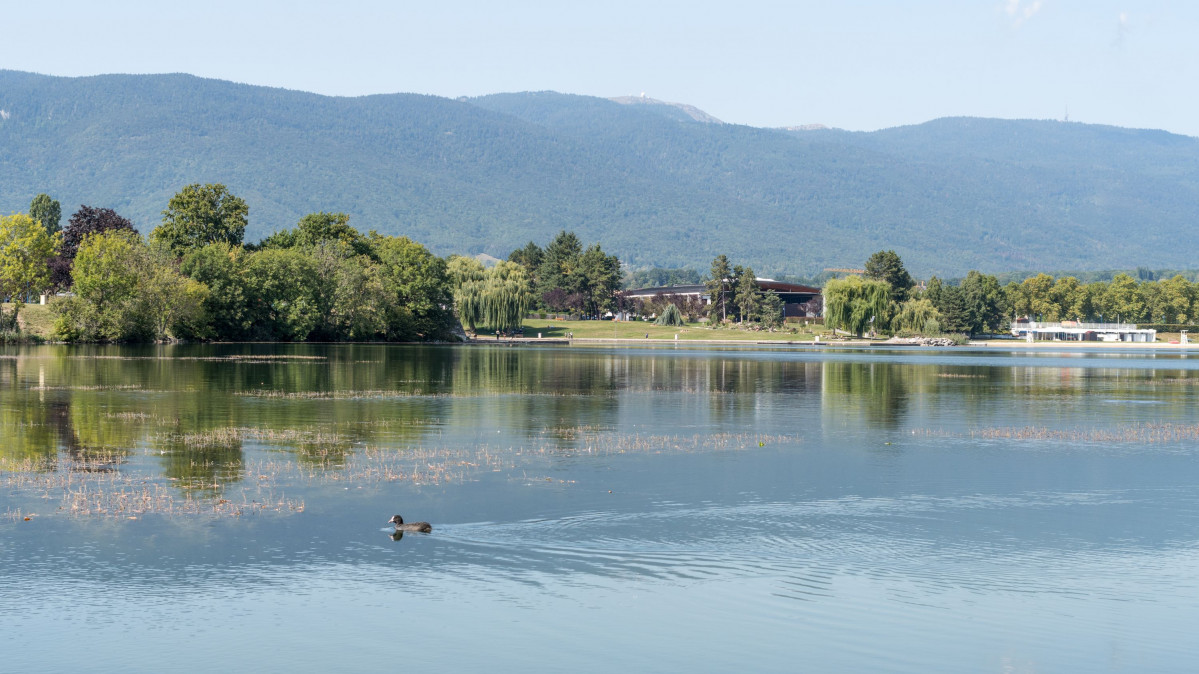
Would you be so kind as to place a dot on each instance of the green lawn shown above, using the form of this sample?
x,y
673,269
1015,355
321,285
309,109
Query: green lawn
x,y
36,320
638,330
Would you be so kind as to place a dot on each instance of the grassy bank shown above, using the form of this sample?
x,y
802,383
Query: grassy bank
x,y
36,320
550,328
638,330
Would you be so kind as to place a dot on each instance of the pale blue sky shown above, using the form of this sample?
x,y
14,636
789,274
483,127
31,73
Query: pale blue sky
x,y
850,64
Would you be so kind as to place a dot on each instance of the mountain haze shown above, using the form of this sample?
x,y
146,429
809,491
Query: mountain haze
x,y
657,184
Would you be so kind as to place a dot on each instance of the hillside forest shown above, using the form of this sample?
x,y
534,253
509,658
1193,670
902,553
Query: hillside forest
x,y
656,187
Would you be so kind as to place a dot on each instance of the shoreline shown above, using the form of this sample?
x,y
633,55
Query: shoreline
x,y
857,344
1021,344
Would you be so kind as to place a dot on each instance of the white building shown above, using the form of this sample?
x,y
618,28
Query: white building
x,y
1074,331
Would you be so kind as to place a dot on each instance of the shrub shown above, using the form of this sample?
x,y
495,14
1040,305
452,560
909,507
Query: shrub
x,y
670,316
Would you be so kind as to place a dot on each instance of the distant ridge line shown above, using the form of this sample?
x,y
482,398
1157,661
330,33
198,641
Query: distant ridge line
x,y
690,110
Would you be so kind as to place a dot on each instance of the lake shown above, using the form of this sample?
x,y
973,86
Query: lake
x,y
595,509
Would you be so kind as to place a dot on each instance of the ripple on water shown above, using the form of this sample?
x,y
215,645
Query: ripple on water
x,y
929,546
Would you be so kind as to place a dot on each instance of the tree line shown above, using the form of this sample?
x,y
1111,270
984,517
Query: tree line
x,y
194,278
886,299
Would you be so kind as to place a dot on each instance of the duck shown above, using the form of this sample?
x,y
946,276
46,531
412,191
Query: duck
x,y
422,527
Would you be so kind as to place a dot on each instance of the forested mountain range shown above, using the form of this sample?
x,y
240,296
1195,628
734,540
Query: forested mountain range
x,y
656,184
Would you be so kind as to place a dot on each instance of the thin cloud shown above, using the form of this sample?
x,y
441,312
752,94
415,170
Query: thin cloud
x,y
1122,29
1021,10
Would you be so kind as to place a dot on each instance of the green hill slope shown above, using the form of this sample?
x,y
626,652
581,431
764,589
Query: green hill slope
x,y
654,186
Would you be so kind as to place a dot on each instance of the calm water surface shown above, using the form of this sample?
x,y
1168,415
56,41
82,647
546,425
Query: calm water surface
x,y
668,509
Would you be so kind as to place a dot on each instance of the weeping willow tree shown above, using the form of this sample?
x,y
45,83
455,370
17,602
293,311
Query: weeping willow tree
x,y
497,298
467,276
670,316
852,303
915,315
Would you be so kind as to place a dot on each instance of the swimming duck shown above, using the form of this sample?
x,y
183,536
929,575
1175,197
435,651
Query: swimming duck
x,y
423,527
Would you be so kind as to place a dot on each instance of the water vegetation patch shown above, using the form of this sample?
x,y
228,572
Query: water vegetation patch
x,y
91,387
1144,433
1139,433
232,435
128,416
199,482
394,393
92,487
592,443
337,395
266,358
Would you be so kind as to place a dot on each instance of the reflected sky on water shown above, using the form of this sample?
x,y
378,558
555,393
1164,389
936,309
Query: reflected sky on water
x,y
661,509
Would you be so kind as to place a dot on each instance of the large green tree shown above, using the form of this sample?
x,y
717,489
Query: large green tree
x,y
221,267
854,304
978,305
497,299
105,304
466,276
171,302
317,228
886,266
530,257
601,279
985,303
25,250
918,314
1123,300
770,310
282,286
1174,300
957,312
734,305
1072,300
569,278
352,302
717,286
85,222
748,299
560,269
420,297
199,215
1034,297
46,211
460,269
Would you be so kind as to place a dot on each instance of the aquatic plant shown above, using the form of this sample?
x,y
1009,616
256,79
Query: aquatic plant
x,y
1139,433
101,484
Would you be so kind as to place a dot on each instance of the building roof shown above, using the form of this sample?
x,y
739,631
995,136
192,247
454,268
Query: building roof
x,y
688,289
779,286
701,289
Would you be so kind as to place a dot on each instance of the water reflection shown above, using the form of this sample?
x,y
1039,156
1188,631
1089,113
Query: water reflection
x,y
113,401
889,504
873,395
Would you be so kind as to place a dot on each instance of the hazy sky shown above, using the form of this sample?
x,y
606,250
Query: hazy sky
x,y
845,63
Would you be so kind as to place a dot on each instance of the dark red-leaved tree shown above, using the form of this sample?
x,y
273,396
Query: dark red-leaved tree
x,y
86,221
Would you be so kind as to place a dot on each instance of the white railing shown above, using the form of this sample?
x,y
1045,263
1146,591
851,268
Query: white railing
x,y
1042,325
